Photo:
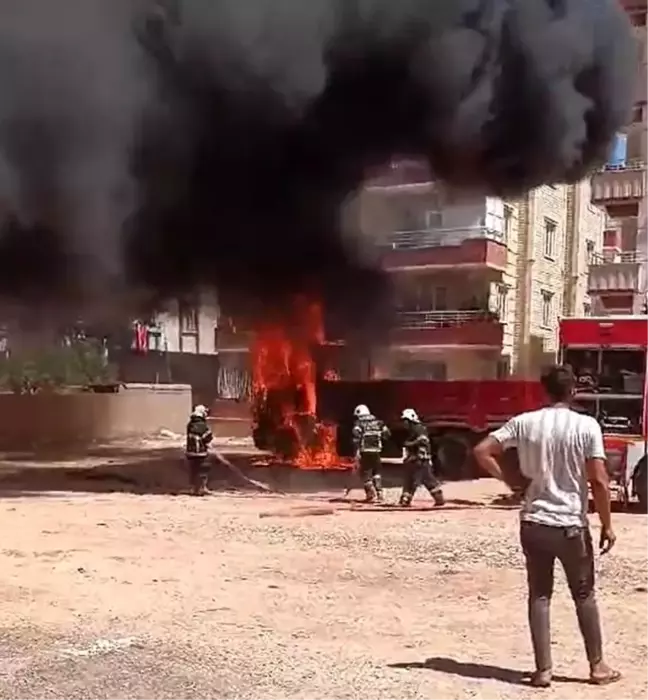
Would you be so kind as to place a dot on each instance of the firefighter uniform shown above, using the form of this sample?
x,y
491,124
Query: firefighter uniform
x,y
369,434
417,461
196,450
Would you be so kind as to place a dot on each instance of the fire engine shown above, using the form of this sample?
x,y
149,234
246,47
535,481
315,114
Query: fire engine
x,y
608,355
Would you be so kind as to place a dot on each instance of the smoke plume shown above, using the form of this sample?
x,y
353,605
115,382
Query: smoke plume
x,y
186,144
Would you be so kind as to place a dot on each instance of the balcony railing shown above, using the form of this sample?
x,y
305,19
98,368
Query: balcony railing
x,y
434,238
616,272
636,164
447,328
620,182
611,256
442,319
401,173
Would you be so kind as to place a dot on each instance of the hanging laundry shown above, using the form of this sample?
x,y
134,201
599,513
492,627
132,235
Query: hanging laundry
x,y
140,337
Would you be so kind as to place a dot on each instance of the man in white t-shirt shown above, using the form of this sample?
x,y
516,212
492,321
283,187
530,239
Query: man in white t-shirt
x,y
560,451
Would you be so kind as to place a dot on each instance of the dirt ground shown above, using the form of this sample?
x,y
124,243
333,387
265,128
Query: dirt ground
x,y
126,595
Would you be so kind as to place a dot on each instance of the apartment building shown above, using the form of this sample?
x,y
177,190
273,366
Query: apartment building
x,y
481,283
618,276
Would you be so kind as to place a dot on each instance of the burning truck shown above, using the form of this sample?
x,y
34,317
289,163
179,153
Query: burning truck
x,y
304,396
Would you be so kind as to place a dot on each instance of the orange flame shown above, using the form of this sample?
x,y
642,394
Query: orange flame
x,y
282,361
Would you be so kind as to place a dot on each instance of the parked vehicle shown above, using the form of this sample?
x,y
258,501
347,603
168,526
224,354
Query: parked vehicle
x,y
457,413
608,355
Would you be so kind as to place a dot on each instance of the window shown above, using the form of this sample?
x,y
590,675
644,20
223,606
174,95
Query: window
x,y
502,293
433,219
508,222
589,252
188,312
550,238
547,304
440,299
638,112
503,368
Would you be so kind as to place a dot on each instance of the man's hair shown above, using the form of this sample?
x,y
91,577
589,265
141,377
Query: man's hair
x,y
558,381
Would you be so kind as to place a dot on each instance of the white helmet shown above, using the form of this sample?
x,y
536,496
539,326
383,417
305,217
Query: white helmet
x,y
200,411
361,411
410,415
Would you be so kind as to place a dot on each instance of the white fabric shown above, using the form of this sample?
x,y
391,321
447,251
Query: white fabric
x,y
553,446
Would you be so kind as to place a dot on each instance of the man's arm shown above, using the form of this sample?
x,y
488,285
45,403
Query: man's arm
x,y
599,481
207,436
486,454
356,436
491,447
600,484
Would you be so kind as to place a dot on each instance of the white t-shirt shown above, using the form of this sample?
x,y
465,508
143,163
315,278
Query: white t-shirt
x,y
553,446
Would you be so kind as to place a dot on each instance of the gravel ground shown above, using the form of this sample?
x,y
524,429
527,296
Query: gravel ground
x,y
156,596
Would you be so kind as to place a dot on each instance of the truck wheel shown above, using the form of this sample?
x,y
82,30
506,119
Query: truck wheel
x,y
455,459
640,484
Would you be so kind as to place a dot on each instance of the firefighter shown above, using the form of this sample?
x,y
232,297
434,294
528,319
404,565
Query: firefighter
x,y
369,434
198,438
417,461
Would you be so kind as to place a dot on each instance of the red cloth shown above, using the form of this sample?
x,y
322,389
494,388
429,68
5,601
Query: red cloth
x,y
141,338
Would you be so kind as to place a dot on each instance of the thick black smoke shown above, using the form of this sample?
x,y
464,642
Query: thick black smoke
x,y
196,143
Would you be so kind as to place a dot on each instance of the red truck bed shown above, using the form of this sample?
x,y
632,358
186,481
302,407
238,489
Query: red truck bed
x,y
477,404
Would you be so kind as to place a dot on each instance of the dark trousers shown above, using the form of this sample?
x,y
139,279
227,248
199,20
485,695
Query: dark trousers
x,y
419,472
370,466
572,546
198,471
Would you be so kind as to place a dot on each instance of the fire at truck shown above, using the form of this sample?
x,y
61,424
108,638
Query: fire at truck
x,y
305,395
608,356
305,392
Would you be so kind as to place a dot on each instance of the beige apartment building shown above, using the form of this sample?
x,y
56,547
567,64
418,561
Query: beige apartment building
x,y
618,276
481,283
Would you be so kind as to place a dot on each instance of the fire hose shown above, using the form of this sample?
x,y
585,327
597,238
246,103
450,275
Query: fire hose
x,y
236,471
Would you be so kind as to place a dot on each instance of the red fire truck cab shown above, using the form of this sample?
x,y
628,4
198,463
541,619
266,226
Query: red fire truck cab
x,y
608,356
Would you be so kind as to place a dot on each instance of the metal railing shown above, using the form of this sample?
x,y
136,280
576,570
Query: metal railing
x,y
435,238
634,164
399,173
611,256
442,319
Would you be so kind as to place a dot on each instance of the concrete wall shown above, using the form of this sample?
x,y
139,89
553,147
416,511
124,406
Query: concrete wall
x,y
29,421
589,224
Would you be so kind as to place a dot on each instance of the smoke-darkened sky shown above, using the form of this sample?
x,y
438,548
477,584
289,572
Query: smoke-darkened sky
x,y
213,142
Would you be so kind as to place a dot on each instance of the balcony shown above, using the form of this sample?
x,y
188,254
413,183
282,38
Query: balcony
x,y
444,248
635,8
447,328
616,272
231,336
619,184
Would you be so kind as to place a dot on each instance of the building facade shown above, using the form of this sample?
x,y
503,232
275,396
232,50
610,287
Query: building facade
x,y
618,276
481,283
